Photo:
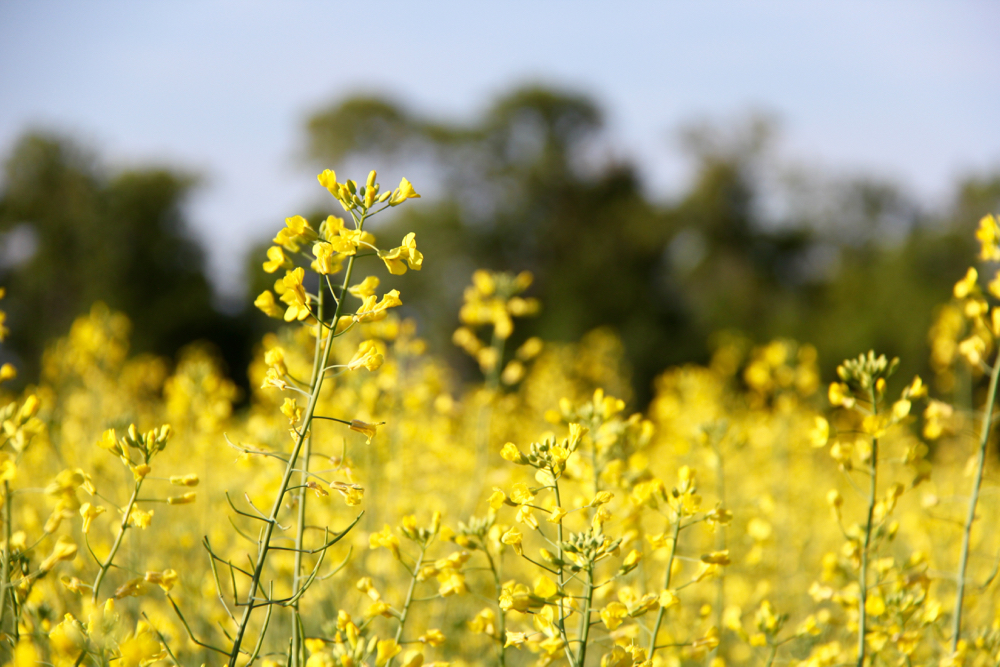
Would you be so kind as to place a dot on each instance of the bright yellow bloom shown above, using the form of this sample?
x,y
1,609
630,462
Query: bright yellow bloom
x,y
965,286
141,648
989,235
403,192
384,538
328,261
366,429
614,614
386,649
432,637
185,480
668,599
397,259
820,432
525,516
164,580
367,356
89,512
184,499
64,549
365,288
276,260
268,305
294,294
296,232
545,588
7,372
513,539
373,310
140,518
521,494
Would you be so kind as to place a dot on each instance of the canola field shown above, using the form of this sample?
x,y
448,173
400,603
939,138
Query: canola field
x,y
367,509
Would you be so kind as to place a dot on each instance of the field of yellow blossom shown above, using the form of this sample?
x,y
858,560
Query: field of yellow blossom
x,y
366,509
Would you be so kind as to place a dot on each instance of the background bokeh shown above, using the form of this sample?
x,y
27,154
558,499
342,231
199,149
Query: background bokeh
x,y
669,169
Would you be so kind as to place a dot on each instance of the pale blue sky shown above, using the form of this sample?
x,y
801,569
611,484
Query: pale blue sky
x,y
904,90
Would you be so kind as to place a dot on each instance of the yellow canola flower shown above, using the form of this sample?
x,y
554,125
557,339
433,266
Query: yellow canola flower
x,y
25,654
328,261
367,356
432,637
140,648
296,232
525,516
347,241
365,288
276,259
183,499
140,518
7,372
89,512
614,614
67,640
513,539
988,235
820,432
366,429
385,650
64,549
374,310
384,538
966,285
403,192
328,179
840,396
164,580
511,453
265,302
521,494
397,259
294,294
184,480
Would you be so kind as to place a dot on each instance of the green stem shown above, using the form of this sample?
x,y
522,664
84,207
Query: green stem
x,y
265,544
863,576
106,565
501,615
666,586
984,436
584,632
5,574
409,599
298,639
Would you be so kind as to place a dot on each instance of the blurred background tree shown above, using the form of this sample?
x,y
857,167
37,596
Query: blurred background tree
x,y
846,265
533,183
73,235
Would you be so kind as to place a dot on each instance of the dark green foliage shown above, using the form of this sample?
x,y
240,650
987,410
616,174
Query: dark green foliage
x,y
524,191
121,239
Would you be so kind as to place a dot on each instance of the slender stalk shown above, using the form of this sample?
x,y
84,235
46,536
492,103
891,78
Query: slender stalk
x,y
666,586
584,632
562,572
404,614
863,576
501,615
298,640
963,561
106,565
5,574
265,543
